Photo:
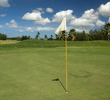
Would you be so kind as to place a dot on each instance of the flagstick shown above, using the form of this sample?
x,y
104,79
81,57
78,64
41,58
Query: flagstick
x,y
66,58
60,30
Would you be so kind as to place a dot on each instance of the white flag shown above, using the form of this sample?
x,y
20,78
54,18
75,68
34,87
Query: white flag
x,y
61,28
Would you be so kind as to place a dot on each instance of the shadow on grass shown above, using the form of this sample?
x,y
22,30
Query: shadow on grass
x,y
83,74
57,79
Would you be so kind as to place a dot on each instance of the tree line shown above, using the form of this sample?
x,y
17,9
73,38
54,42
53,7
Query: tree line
x,y
100,34
3,36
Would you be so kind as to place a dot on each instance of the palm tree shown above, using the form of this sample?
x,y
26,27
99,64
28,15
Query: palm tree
x,y
63,36
45,37
37,36
107,30
108,33
51,36
72,34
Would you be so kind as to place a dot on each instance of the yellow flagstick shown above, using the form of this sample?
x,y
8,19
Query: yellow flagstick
x,y
60,30
66,62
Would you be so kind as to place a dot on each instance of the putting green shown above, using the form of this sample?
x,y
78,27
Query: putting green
x,y
27,74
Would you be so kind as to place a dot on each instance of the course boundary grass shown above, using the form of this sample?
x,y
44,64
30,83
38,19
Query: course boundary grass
x,y
33,43
8,42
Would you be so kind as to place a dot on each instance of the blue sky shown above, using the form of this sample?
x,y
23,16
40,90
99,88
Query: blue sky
x,y
28,17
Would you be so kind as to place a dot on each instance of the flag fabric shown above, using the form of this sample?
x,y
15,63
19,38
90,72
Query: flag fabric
x,y
61,28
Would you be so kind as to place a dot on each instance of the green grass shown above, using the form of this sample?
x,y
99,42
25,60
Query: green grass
x,y
27,73
8,41
33,43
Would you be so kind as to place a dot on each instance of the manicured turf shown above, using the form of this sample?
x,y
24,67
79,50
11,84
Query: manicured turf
x,y
27,73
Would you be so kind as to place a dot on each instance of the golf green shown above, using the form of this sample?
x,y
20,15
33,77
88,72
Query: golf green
x,y
27,73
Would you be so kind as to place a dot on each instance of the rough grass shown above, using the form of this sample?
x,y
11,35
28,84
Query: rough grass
x,y
33,43
27,73
8,41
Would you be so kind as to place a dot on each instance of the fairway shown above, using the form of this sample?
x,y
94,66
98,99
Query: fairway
x,y
27,73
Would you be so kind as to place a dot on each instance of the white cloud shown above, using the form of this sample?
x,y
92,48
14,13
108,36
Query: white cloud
x,y
59,16
12,24
50,10
4,3
90,15
88,19
36,16
42,21
2,15
1,26
30,29
100,23
34,29
44,29
81,30
80,22
105,9
32,16
20,30
78,29
39,9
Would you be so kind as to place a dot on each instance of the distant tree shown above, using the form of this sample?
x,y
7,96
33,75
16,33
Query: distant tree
x,y
82,36
108,33
19,38
71,35
25,37
3,36
45,37
57,38
62,37
100,34
106,26
97,34
37,35
106,29
51,37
